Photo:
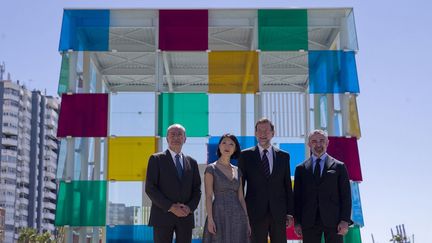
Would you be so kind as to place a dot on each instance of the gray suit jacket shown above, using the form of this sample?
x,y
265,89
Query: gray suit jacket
x,y
332,194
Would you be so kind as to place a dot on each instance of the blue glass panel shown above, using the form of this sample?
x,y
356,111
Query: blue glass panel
x,y
85,30
129,233
332,72
297,154
357,212
245,142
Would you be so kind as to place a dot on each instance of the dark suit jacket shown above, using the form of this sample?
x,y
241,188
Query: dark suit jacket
x,y
332,195
262,193
164,188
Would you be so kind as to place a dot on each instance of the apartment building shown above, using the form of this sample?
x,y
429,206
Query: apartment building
x,y
29,151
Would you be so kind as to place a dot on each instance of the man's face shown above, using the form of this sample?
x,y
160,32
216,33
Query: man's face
x,y
176,138
264,134
318,144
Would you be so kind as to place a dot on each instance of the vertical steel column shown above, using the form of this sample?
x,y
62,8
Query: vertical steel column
x,y
97,153
330,115
70,163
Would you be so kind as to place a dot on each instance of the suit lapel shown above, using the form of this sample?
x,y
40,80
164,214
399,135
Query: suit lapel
x,y
171,166
327,165
258,161
186,167
276,162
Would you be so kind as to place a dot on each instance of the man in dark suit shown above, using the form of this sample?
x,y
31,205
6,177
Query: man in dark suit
x,y
322,194
269,198
174,187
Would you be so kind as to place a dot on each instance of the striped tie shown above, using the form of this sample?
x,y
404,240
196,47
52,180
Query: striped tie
x,y
265,164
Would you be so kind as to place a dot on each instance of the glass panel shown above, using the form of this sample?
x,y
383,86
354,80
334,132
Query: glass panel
x,y
282,30
132,114
346,150
233,71
85,30
126,203
187,109
130,234
77,159
353,235
64,75
245,142
194,147
333,72
332,29
83,115
357,212
81,203
354,122
286,110
128,157
183,30
297,154
133,30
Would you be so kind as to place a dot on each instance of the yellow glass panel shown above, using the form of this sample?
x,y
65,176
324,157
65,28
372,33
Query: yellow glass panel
x,y
354,123
233,72
128,157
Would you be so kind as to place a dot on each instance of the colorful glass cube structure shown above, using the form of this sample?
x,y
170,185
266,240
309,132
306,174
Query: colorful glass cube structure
x,y
128,74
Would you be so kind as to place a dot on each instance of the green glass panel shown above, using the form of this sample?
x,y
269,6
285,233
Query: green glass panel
x,y
282,30
64,75
189,110
81,203
353,235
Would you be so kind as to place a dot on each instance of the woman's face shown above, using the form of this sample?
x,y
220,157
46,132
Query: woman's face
x,y
227,147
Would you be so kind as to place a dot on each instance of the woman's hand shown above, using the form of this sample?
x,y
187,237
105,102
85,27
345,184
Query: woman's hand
x,y
211,226
249,230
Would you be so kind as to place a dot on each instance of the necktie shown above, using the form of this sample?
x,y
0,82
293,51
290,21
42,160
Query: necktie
x,y
178,166
265,163
317,170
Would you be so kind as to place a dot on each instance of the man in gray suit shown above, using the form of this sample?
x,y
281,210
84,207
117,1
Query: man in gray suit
x,y
174,186
322,194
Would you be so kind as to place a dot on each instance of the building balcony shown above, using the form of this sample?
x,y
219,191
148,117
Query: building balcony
x,y
11,108
8,175
24,190
11,97
9,152
48,226
10,119
24,201
49,174
51,143
51,154
52,113
10,130
50,123
49,205
7,186
48,215
50,133
50,195
10,142
50,185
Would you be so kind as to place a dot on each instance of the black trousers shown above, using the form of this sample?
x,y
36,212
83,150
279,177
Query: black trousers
x,y
165,234
315,233
262,229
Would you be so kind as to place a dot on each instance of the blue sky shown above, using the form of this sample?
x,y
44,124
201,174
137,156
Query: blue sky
x,y
394,72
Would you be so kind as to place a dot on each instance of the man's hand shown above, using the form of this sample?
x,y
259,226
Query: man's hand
x,y
178,210
289,221
298,230
342,228
185,208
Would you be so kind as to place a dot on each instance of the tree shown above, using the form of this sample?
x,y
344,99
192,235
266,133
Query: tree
x,y
30,235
